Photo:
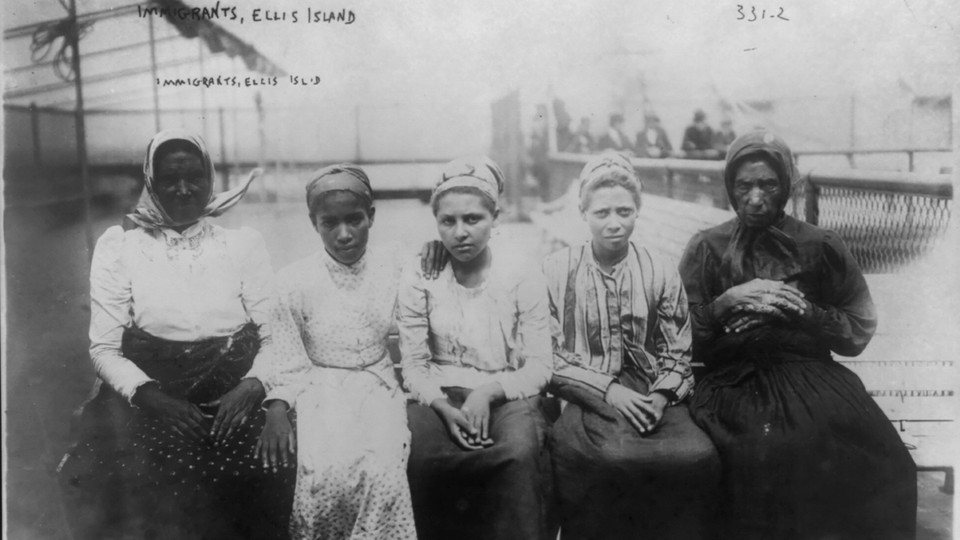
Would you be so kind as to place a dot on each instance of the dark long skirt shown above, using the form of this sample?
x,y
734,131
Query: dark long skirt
x,y
501,492
615,483
806,453
131,476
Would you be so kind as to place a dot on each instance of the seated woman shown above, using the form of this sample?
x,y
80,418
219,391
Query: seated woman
x,y
806,452
178,331
476,355
628,460
335,311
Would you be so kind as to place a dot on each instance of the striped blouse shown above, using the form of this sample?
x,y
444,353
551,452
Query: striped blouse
x,y
637,314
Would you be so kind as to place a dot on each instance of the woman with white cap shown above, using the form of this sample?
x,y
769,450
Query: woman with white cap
x,y
476,354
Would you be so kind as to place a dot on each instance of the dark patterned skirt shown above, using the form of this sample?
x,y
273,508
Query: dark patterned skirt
x,y
806,452
130,475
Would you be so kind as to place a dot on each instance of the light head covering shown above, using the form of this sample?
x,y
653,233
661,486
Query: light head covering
x,y
603,166
761,144
480,173
765,252
339,177
151,215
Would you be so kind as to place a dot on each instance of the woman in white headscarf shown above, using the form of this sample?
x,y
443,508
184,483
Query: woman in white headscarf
x,y
179,332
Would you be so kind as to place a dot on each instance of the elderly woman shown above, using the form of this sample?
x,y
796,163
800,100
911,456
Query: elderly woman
x,y
805,450
629,462
476,355
335,311
178,334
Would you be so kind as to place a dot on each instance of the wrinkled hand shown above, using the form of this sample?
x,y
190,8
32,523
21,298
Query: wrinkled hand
x,y
476,409
234,406
277,443
183,417
643,412
761,296
433,258
748,316
460,429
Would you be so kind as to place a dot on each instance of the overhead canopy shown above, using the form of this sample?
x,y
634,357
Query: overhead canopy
x,y
115,48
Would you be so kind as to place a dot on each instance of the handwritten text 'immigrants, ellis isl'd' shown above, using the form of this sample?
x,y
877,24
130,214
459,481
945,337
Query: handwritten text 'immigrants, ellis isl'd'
x,y
221,12
240,82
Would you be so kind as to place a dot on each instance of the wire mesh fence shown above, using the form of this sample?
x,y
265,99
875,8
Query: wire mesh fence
x,y
885,231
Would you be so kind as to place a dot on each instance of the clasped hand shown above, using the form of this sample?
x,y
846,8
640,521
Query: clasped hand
x,y
644,412
468,426
758,302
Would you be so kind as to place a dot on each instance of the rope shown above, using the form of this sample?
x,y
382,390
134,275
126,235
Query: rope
x,y
44,38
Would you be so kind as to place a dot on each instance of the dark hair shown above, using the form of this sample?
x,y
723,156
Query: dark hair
x,y
487,202
312,209
612,178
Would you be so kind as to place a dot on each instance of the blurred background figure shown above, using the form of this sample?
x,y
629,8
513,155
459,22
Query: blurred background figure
x,y
698,138
652,140
615,138
723,138
583,141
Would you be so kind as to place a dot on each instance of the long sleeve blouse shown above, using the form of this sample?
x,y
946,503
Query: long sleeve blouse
x,y
453,336
330,315
842,316
635,315
205,282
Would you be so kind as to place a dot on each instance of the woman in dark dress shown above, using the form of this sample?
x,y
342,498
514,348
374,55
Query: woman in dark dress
x,y
806,452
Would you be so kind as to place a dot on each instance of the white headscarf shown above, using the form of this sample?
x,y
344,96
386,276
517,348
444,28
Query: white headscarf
x,y
150,214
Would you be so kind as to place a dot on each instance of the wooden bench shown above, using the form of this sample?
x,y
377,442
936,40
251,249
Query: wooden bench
x,y
910,368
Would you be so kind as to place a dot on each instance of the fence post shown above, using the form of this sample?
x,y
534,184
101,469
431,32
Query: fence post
x,y
812,203
669,178
910,160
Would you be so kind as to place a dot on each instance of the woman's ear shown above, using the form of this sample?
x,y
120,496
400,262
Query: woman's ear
x,y
496,216
371,213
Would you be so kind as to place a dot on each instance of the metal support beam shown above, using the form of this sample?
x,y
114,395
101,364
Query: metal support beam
x,y
154,82
81,129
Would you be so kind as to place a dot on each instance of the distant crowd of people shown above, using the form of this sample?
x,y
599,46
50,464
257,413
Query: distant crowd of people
x,y
700,141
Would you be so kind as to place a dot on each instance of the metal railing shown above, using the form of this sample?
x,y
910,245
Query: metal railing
x,y
888,219
851,153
